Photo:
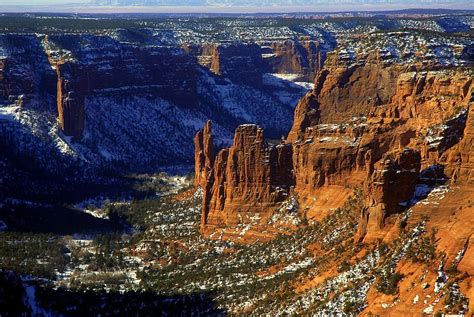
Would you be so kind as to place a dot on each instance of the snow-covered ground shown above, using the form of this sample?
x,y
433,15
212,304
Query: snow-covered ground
x,y
162,131
9,112
286,80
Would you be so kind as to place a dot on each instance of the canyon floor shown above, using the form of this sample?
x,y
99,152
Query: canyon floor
x,y
158,259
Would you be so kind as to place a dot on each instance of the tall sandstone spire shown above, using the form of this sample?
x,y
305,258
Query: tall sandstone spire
x,y
70,100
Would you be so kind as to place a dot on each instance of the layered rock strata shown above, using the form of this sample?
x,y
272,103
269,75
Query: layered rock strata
x,y
251,176
388,188
83,69
401,120
461,158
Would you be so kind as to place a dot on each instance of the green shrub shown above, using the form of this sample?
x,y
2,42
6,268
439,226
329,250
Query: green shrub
x,y
388,282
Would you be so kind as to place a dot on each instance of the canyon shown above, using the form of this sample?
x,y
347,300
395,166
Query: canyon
x,y
390,132
237,165
99,87
383,150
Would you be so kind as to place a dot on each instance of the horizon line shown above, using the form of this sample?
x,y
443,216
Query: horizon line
x,y
312,9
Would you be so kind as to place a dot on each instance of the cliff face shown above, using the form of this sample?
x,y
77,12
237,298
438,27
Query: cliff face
x,y
388,188
328,155
400,141
245,63
351,86
24,69
461,158
124,69
241,63
296,57
251,176
307,114
429,95
399,123
70,99
97,88
346,88
171,73
357,86
204,155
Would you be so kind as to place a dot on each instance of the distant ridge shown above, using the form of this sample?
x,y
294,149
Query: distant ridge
x,y
257,3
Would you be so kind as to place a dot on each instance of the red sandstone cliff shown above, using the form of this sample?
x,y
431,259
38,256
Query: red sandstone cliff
x,y
402,137
203,155
251,176
388,188
350,131
462,156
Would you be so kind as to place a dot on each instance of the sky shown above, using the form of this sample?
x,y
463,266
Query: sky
x,y
224,6
38,2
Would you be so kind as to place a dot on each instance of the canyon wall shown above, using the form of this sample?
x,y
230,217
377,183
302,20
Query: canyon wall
x,y
372,125
245,63
241,63
171,73
296,57
125,69
461,158
389,186
24,69
91,90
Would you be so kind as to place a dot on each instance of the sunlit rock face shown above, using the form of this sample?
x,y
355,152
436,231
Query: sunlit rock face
x,y
370,123
245,178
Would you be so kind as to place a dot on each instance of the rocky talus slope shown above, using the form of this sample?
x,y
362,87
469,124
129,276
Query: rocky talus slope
x,y
399,134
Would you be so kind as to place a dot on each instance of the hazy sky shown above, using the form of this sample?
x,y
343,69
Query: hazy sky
x,y
227,5
39,2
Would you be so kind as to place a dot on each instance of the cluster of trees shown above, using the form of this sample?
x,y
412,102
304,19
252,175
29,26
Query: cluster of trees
x,y
34,254
388,282
21,23
423,250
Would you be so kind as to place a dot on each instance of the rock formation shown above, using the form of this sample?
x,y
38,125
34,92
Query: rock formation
x,y
110,84
368,123
70,100
388,188
250,176
245,63
347,88
242,63
358,87
296,57
462,156
24,72
204,155
307,114
125,69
